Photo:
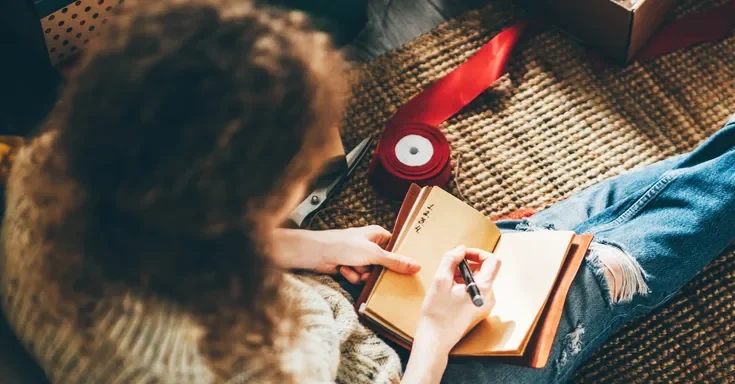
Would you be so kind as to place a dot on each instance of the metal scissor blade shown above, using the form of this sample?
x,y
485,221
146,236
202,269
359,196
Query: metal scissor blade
x,y
318,196
357,153
353,159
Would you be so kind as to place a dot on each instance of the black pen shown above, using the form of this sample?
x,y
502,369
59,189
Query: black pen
x,y
472,289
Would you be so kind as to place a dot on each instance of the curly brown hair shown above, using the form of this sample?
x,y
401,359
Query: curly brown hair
x,y
185,126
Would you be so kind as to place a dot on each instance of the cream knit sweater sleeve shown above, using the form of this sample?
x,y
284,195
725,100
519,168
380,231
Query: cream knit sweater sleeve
x,y
158,344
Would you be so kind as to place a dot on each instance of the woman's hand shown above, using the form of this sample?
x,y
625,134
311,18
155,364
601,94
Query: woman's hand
x,y
351,252
448,311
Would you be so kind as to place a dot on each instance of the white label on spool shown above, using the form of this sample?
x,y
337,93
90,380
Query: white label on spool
x,y
414,150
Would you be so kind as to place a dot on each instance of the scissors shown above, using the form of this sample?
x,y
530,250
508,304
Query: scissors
x,y
319,195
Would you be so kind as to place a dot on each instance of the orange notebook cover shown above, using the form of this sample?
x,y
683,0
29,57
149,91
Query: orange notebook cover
x,y
523,324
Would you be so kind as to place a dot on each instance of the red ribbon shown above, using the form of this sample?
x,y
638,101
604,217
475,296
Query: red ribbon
x,y
424,112
710,25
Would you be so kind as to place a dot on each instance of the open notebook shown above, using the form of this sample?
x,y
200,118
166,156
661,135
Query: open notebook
x,y
537,269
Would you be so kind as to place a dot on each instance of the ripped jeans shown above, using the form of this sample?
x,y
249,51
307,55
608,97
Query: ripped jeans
x,y
654,229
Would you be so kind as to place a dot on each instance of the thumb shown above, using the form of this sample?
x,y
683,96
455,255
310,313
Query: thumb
x,y
398,263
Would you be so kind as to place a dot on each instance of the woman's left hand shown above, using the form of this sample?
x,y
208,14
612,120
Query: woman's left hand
x,y
351,252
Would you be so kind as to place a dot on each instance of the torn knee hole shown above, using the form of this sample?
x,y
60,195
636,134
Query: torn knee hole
x,y
573,345
623,274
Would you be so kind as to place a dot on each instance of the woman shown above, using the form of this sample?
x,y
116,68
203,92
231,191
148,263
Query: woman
x,y
141,241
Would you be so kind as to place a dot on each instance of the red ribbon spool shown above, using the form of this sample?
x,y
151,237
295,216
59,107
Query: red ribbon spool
x,y
413,153
391,171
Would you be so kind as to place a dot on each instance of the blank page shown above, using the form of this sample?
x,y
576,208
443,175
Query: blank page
x,y
531,262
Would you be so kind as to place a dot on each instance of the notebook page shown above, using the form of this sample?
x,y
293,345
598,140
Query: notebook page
x,y
531,262
442,223
399,233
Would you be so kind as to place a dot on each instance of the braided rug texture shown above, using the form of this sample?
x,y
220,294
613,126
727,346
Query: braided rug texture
x,y
555,124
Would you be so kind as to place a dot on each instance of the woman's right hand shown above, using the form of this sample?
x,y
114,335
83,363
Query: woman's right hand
x,y
448,310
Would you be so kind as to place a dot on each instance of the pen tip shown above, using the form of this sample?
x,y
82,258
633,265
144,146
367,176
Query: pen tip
x,y
477,300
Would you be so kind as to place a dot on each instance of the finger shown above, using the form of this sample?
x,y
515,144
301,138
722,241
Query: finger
x,y
350,274
397,263
378,235
450,261
460,292
365,276
473,264
489,269
474,268
476,255
362,269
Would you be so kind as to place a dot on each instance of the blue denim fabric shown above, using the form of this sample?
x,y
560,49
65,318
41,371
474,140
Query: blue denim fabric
x,y
672,217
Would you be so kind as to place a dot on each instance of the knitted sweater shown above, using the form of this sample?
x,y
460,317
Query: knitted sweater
x,y
157,342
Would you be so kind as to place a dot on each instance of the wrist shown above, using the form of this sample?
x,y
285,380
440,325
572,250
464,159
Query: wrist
x,y
427,337
427,362
295,249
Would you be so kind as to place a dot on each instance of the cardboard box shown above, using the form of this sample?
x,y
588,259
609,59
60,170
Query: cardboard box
x,y
616,29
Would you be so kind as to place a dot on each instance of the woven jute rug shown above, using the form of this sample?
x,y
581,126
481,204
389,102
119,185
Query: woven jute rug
x,y
555,124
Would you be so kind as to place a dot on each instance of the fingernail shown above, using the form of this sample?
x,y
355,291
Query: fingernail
x,y
461,248
414,264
